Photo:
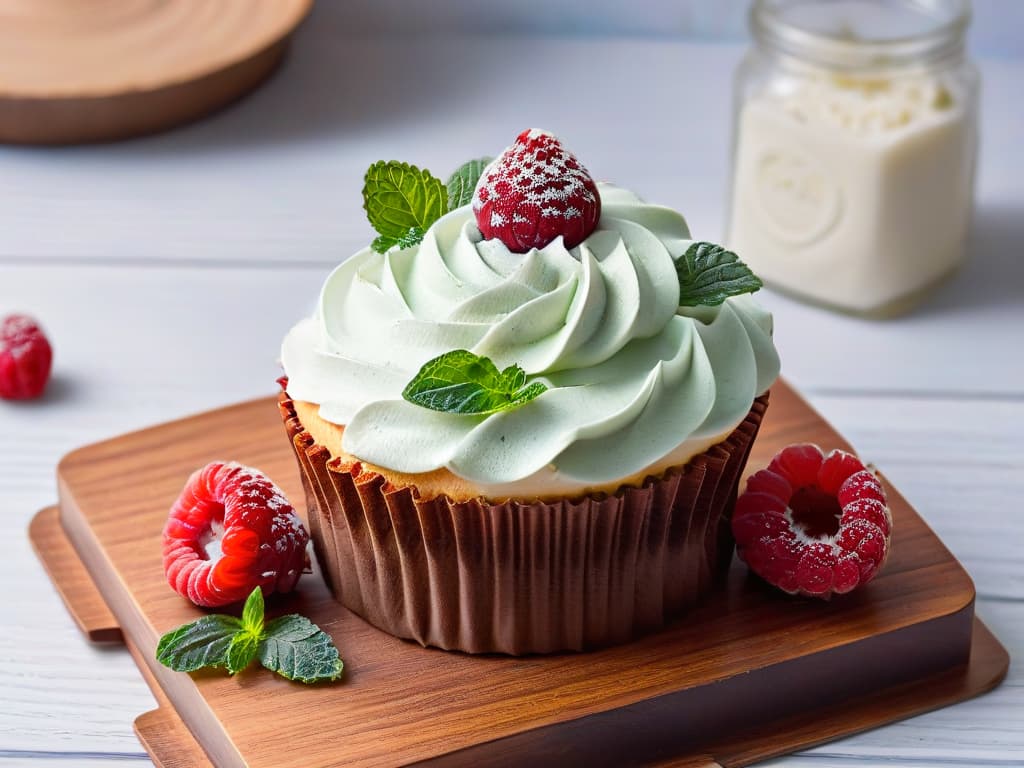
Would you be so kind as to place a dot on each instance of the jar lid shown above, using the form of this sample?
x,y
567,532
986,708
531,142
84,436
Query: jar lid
x,y
855,34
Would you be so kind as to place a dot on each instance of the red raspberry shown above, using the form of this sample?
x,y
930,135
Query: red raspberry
x,y
812,524
232,530
25,358
535,191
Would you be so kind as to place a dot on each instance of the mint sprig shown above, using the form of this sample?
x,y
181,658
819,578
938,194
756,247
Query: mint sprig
x,y
291,645
462,183
385,243
464,383
709,274
401,202
202,643
241,652
297,649
252,613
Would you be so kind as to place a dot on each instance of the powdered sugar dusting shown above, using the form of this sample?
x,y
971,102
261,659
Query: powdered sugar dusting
x,y
779,522
209,540
231,530
535,191
804,539
541,172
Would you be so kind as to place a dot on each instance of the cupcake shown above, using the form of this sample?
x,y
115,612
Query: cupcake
x,y
522,413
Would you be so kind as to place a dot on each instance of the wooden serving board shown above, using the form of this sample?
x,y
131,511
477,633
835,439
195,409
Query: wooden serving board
x,y
749,674
74,71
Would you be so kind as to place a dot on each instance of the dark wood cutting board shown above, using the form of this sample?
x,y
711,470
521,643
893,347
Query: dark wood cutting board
x,y
749,674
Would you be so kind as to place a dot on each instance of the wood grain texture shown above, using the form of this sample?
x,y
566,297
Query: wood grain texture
x,y
161,731
78,72
702,672
76,587
168,741
986,669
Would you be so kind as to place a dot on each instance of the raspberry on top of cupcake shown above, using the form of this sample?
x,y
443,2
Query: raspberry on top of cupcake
x,y
524,332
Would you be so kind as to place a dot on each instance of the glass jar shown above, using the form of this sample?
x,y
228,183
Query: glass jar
x,y
854,143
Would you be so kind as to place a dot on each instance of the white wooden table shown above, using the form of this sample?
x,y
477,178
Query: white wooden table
x,y
166,271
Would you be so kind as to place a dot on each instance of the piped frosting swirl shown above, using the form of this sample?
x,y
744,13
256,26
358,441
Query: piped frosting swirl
x,y
635,383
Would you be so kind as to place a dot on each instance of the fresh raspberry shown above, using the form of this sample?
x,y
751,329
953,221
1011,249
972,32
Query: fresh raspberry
x,y
25,358
232,530
535,191
812,524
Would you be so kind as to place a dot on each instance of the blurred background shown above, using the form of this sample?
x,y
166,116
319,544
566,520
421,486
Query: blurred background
x,y
996,29
166,269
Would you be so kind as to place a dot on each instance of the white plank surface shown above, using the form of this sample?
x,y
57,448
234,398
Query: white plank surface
x,y
276,181
166,270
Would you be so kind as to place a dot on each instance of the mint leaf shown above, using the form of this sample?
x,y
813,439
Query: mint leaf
x,y
709,274
243,646
298,649
292,645
201,643
385,243
462,183
242,651
461,382
252,613
401,202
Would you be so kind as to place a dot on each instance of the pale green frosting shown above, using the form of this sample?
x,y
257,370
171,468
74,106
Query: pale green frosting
x,y
635,382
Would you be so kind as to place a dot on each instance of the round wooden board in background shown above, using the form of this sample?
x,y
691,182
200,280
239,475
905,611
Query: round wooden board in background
x,y
74,71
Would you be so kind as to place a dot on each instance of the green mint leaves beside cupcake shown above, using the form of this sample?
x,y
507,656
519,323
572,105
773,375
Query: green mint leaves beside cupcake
x,y
292,645
535,192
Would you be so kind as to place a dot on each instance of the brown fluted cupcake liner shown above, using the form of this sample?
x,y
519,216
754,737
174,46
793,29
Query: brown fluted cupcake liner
x,y
518,576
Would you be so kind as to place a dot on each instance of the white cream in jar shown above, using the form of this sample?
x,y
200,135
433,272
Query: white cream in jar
x,y
853,187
